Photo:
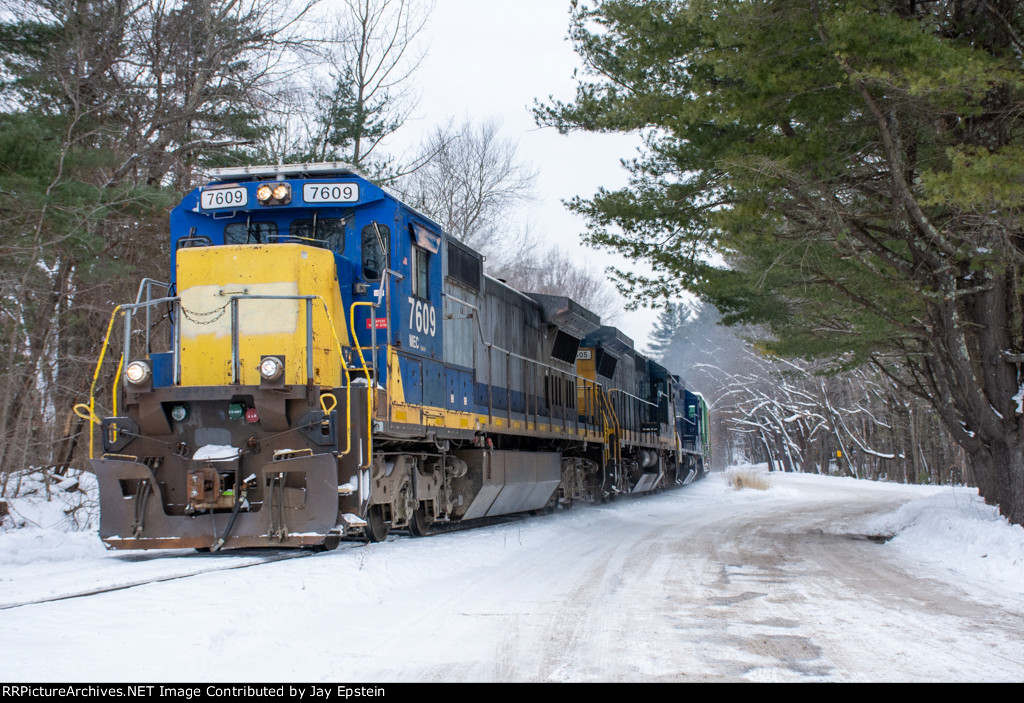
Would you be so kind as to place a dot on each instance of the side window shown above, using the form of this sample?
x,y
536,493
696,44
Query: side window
x,y
420,273
375,239
249,233
329,233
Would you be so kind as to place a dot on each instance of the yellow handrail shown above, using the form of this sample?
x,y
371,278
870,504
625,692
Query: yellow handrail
x,y
348,379
91,408
113,399
369,387
609,410
88,412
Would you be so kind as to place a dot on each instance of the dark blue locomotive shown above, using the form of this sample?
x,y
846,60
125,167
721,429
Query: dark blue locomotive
x,y
335,365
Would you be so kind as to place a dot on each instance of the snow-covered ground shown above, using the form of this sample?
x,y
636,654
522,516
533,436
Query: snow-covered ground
x,y
702,583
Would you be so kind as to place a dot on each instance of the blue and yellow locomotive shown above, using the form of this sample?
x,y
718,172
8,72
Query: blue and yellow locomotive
x,y
334,365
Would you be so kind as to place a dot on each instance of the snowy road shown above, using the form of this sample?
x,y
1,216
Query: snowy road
x,y
699,584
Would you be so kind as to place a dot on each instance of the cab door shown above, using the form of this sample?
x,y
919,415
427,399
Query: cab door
x,y
372,325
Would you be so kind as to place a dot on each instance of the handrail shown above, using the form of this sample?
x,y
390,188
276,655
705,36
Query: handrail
x,y
610,409
146,284
491,346
369,384
91,409
131,307
127,310
113,399
235,353
348,379
645,402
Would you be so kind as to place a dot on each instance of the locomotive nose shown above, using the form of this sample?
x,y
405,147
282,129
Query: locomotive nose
x,y
290,501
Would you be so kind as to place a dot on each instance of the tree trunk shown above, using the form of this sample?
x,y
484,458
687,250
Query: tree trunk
x,y
998,468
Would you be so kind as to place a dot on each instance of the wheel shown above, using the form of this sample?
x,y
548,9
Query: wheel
x,y
420,522
376,529
329,544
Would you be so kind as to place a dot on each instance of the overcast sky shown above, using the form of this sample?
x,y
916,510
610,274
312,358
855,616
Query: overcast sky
x,y
492,60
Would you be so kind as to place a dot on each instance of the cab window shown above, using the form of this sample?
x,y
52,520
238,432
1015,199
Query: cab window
x,y
249,232
420,272
375,238
328,233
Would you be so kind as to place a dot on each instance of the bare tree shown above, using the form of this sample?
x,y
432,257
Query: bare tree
x,y
472,184
368,94
555,272
794,416
202,73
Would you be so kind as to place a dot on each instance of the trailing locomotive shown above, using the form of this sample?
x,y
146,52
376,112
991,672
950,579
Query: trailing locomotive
x,y
326,362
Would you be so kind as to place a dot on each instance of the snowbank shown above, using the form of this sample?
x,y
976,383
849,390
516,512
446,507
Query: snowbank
x,y
955,529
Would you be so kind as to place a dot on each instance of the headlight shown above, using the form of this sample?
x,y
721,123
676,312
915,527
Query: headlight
x,y
274,194
179,413
271,368
137,372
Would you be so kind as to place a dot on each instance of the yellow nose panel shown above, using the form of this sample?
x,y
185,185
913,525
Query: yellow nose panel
x,y
267,280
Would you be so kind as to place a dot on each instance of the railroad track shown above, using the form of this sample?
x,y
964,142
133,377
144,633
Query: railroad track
x,y
223,564
443,528
223,561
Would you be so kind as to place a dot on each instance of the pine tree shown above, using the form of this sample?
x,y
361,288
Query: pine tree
x,y
847,172
107,107
665,331
369,94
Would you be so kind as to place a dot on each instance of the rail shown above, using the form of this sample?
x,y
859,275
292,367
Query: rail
x,y
630,395
370,382
129,311
236,354
146,285
616,446
345,369
88,412
587,384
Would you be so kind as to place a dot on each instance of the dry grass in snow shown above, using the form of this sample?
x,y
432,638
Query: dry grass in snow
x,y
748,477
